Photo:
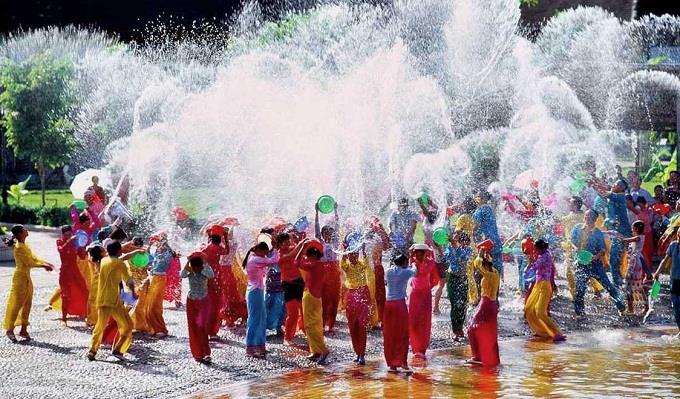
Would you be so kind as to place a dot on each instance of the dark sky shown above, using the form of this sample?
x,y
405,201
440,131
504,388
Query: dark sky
x,y
123,17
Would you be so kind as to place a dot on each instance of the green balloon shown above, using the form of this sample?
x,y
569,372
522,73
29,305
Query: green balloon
x,y
440,236
326,204
140,260
584,257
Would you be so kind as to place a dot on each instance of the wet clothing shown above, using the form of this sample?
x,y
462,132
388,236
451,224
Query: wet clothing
x,y
20,299
483,330
487,229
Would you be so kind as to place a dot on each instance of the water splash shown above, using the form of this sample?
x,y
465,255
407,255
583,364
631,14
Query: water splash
x,y
365,102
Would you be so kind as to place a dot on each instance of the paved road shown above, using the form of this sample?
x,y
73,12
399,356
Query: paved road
x,y
52,366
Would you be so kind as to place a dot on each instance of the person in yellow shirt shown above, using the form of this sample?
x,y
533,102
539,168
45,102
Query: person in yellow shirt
x,y
20,298
358,303
483,330
112,272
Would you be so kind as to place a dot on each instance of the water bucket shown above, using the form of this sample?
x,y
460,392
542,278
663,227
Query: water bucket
x,y
584,257
140,260
656,288
81,238
326,204
80,205
440,236
424,199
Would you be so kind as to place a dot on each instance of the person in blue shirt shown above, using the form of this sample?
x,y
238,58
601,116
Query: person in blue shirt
x,y
395,315
457,257
487,229
617,210
588,237
673,255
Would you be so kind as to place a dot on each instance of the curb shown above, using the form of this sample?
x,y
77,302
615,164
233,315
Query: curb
x,y
32,227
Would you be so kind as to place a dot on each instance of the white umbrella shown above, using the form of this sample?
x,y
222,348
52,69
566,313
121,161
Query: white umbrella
x,y
83,181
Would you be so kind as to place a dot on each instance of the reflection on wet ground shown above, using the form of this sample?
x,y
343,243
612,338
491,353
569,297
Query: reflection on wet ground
x,y
640,363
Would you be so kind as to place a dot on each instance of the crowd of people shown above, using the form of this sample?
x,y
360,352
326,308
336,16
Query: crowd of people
x,y
296,277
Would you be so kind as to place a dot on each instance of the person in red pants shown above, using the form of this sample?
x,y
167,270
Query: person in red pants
x,y
358,302
483,330
330,297
420,299
198,272
395,329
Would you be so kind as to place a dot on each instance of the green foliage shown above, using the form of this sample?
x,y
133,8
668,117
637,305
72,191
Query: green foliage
x,y
529,3
38,99
281,30
45,216
18,191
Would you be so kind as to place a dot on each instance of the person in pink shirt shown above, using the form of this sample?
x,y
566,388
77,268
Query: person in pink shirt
x,y
256,262
420,299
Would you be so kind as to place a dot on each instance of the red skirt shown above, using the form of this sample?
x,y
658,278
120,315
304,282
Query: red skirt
x,y
483,333
420,320
380,289
358,310
330,296
173,284
198,317
234,306
74,291
395,333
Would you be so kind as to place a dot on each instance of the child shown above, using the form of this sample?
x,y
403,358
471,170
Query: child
x,y
198,272
256,263
483,330
311,299
536,306
330,299
274,300
293,286
72,285
358,301
216,256
395,330
637,268
420,299
112,272
163,256
20,299
457,256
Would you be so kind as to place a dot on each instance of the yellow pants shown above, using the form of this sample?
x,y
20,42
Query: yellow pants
x,y
311,314
536,311
370,274
139,314
19,302
122,318
92,299
154,306
55,300
85,271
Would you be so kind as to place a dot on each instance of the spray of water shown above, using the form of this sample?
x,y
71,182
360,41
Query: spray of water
x,y
364,102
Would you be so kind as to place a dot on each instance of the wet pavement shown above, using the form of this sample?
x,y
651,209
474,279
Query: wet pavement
x,y
53,364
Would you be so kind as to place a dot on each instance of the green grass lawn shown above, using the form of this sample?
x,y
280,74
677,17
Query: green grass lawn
x,y
60,198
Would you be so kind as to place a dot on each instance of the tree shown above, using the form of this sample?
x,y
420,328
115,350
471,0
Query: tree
x,y
37,101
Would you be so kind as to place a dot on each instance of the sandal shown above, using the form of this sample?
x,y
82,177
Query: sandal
x,y
12,337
